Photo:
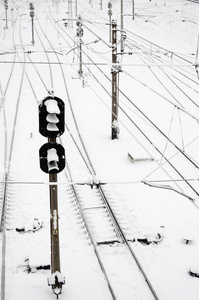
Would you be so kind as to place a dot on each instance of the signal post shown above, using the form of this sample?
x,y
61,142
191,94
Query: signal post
x,y
52,161
54,224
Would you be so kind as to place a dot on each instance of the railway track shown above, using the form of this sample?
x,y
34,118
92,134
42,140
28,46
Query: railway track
x,y
8,136
11,113
11,190
175,145
176,85
112,233
110,241
161,132
196,166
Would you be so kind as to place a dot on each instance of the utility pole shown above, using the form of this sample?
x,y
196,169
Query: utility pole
x,y
80,57
70,14
32,14
80,33
76,8
52,161
122,25
133,9
6,13
114,71
110,14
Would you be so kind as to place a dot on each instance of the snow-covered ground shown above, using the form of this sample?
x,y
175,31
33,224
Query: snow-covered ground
x,y
160,80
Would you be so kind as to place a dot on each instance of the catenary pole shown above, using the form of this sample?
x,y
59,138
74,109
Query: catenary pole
x,y
32,14
6,13
110,14
114,72
122,24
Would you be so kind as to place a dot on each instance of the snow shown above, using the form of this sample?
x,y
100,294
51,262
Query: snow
x,y
52,106
55,217
148,197
52,159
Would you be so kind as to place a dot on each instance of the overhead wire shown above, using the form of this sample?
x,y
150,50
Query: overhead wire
x,y
153,123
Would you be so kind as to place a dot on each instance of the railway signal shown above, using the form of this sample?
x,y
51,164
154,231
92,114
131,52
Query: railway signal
x,y
51,117
52,161
52,158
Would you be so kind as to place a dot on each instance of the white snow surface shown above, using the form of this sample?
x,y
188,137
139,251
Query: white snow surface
x,y
163,87
52,107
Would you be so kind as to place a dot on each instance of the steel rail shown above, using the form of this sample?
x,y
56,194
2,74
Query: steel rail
x,y
97,254
7,170
5,181
155,294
